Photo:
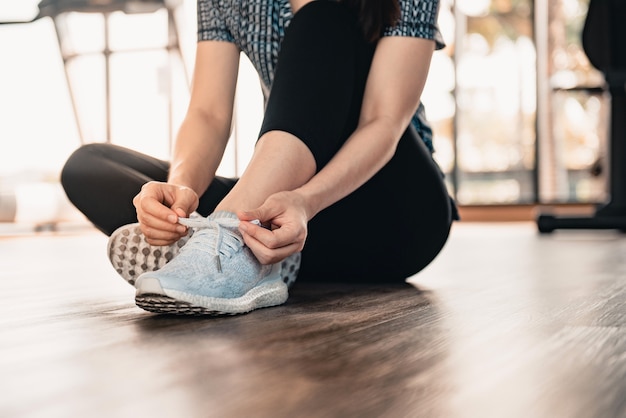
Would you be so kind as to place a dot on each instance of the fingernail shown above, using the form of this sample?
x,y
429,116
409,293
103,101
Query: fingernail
x,y
181,229
243,226
172,218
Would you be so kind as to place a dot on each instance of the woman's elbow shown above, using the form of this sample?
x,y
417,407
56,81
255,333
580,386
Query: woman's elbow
x,y
394,127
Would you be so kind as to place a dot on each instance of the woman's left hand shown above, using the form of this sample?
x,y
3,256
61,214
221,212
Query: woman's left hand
x,y
287,214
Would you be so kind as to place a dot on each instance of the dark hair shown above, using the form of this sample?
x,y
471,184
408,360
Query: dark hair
x,y
375,15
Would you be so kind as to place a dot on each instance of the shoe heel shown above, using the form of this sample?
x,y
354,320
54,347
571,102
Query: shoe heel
x,y
271,294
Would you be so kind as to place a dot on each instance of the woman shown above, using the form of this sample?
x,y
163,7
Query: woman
x,y
341,185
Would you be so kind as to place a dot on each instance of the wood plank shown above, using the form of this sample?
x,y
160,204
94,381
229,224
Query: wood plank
x,y
504,323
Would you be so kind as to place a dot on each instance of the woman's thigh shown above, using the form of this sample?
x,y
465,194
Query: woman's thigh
x,y
101,180
389,229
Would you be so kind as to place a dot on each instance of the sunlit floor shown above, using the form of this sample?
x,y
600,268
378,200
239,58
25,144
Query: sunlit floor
x,y
504,323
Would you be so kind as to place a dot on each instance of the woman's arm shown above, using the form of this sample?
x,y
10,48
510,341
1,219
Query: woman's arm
x,y
392,95
199,147
206,128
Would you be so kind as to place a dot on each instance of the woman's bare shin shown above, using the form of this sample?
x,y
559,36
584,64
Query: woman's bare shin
x,y
280,162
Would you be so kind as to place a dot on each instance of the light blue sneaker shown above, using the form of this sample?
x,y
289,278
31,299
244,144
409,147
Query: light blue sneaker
x,y
215,273
130,254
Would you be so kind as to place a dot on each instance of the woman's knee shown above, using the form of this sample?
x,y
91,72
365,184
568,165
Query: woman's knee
x,y
326,21
321,10
80,162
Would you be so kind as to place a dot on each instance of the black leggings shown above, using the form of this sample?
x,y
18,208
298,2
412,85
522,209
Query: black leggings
x,y
387,230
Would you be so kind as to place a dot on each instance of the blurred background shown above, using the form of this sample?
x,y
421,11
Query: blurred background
x,y
520,116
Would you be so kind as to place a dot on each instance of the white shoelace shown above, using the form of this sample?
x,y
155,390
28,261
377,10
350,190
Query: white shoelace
x,y
224,244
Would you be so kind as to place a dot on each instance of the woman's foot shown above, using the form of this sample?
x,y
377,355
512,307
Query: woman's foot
x,y
215,274
131,255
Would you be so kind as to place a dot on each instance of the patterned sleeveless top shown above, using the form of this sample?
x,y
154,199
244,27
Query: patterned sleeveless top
x,y
257,27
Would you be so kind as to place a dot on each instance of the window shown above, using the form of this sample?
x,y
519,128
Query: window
x,y
524,119
573,132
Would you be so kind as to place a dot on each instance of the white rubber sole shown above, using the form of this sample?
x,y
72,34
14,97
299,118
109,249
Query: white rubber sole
x,y
151,297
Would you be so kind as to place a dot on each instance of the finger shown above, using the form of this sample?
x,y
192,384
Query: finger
x,y
156,209
263,235
276,239
155,223
180,213
270,256
161,242
185,203
287,234
156,236
263,213
245,215
153,235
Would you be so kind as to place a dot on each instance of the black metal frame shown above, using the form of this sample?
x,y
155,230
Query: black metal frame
x,y
604,37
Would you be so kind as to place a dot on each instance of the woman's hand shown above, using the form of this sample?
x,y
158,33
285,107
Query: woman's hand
x,y
158,207
287,214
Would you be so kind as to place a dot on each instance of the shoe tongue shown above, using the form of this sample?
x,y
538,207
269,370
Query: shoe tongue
x,y
227,220
218,232
229,225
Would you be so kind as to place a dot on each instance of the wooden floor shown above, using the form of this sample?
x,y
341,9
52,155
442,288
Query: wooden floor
x,y
505,323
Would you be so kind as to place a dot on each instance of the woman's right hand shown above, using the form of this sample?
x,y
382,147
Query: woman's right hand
x,y
158,207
